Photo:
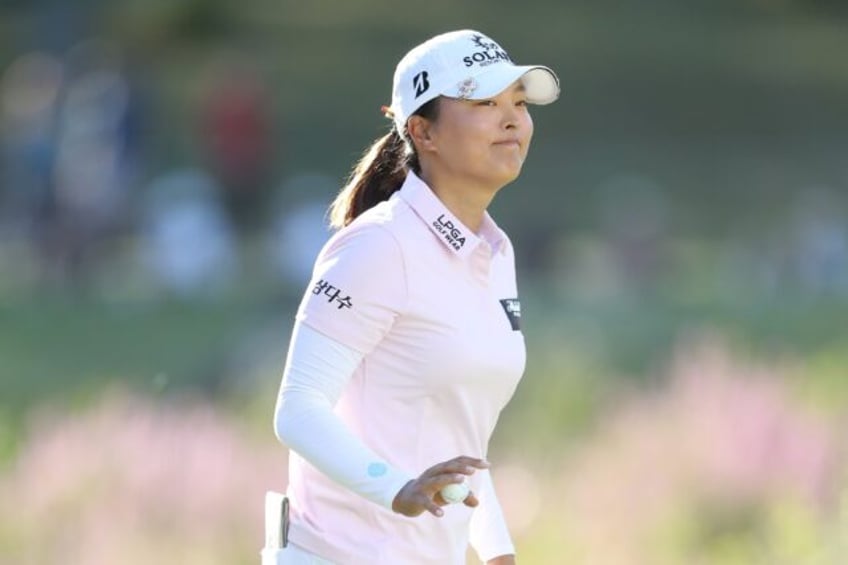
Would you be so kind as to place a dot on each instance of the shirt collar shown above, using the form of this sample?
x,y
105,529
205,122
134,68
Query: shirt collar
x,y
454,235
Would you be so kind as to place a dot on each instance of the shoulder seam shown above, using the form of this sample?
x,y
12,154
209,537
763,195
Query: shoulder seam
x,y
403,262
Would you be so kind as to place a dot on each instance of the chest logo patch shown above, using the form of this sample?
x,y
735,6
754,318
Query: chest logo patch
x,y
512,308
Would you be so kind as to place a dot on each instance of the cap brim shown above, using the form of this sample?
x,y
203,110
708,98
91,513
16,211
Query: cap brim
x,y
541,83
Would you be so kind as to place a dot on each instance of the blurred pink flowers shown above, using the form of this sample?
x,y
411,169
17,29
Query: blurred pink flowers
x,y
705,463
130,481
717,463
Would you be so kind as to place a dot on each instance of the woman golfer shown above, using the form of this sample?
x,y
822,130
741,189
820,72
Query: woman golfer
x,y
407,343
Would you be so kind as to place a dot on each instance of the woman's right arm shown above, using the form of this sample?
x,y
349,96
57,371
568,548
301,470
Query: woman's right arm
x,y
317,370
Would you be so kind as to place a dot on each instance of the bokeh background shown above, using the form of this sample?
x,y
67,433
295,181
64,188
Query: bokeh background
x,y
681,229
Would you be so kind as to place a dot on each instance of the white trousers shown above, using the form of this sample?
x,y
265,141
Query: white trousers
x,y
292,555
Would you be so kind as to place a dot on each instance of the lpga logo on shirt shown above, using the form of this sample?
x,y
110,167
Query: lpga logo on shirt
x,y
450,232
512,307
332,293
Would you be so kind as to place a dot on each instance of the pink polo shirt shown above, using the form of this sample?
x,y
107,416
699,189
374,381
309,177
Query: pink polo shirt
x,y
434,309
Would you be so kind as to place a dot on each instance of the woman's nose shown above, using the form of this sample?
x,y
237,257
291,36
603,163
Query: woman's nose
x,y
510,117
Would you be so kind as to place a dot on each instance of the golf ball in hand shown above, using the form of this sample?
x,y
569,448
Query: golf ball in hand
x,y
454,492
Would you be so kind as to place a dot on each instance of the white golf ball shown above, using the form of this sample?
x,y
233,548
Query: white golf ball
x,y
454,492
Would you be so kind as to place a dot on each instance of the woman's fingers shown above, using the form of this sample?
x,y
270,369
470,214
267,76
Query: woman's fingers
x,y
428,504
438,482
471,500
423,493
462,464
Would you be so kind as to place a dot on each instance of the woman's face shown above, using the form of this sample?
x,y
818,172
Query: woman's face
x,y
481,141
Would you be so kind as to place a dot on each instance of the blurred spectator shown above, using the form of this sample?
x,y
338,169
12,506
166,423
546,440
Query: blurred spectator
x,y
821,242
187,237
30,92
299,227
95,156
634,221
235,124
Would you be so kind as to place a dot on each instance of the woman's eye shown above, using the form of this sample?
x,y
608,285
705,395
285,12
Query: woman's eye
x,y
486,103
521,103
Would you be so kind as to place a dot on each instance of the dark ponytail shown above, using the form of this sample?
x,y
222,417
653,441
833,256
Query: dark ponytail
x,y
380,172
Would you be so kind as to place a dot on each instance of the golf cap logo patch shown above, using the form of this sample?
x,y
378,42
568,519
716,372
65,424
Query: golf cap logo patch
x,y
421,83
487,53
480,41
466,88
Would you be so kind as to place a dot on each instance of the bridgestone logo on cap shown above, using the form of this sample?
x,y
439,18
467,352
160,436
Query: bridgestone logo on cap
x,y
420,83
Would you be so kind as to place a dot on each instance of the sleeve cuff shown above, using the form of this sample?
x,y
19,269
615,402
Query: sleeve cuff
x,y
496,551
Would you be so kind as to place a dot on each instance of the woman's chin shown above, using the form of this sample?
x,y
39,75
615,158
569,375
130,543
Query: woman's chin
x,y
501,174
509,174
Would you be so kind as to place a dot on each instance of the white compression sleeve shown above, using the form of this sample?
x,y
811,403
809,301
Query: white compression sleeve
x,y
488,534
316,372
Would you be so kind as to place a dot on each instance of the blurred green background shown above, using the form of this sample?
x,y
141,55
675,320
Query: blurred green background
x,y
681,229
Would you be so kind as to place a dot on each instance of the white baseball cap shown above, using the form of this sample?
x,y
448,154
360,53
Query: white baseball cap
x,y
463,64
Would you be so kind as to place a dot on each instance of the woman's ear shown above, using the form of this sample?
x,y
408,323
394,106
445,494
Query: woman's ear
x,y
421,132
